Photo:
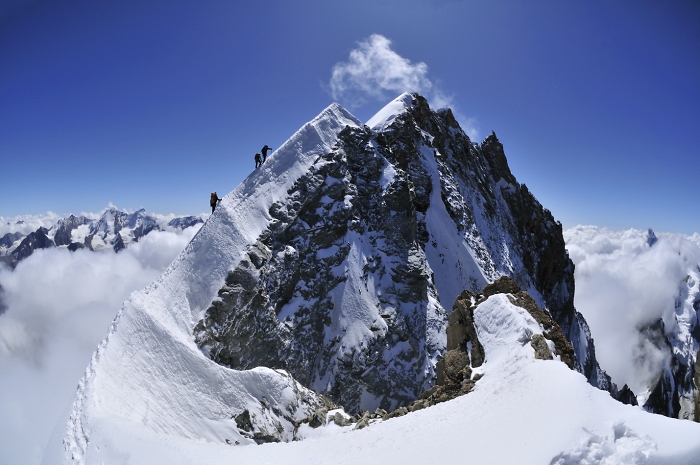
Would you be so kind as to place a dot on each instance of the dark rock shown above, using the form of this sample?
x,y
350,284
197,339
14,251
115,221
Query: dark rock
x,y
118,243
363,422
539,344
399,412
65,228
461,332
457,367
243,421
503,285
73,246
36,240
318,418
9,239
626,396
552,331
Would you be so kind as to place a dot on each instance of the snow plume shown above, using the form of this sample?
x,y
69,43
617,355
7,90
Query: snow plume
x,y
626,281
375,72
59,306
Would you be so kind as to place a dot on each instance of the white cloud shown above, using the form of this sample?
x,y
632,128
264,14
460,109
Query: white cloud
x,y
623,284
376,73
60,305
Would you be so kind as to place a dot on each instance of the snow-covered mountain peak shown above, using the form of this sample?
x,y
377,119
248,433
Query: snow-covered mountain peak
x,y
386,115
337,261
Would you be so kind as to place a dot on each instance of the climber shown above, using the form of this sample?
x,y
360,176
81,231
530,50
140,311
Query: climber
x,y
264,151
258,161
214,201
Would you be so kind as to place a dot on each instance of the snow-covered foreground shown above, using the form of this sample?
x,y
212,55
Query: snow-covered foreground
x,y
522,411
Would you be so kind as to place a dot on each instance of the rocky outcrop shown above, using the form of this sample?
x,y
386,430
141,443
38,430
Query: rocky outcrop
x,y
464,351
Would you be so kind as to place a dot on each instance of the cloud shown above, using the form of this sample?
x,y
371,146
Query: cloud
x,y
622,285
59,307
374,72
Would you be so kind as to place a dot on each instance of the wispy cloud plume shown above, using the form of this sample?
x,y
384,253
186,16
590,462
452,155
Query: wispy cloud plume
x,y
376,73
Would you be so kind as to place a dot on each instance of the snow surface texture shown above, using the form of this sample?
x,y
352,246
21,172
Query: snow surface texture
x,y
148,377
522,410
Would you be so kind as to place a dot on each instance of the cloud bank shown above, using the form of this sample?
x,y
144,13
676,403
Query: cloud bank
x,y
59,307
624,284
376,73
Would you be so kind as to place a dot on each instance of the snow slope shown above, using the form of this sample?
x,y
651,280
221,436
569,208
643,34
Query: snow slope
x,y
523,411
148,377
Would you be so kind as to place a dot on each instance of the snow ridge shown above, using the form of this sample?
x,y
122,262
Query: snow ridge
x,y
149,372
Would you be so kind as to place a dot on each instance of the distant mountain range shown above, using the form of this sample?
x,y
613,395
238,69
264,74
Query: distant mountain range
x,y
113,229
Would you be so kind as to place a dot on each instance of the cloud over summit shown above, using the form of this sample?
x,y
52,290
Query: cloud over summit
x,y
375,73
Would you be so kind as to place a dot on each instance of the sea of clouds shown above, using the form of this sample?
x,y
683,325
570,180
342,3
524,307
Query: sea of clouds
x,y
59,305
627,280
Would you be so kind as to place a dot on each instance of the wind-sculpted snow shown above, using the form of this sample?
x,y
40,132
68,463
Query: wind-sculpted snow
x,y
149,376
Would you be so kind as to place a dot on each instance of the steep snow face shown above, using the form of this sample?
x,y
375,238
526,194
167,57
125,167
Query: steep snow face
x,y
149,376
349,286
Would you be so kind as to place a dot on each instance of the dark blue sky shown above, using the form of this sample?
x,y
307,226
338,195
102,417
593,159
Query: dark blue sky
x,y
155,104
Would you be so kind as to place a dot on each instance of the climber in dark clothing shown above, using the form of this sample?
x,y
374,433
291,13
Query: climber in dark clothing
x,y
214,201
264,151
258,161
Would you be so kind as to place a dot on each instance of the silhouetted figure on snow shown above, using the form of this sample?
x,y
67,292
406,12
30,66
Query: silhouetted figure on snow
x,y
258,160
264,151
214,201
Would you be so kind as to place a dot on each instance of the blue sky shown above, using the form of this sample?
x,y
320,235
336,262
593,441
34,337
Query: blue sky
x,y
155,104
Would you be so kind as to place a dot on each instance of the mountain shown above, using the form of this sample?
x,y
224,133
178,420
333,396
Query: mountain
x,y
336,265
112,229
675,394
641,293
349,285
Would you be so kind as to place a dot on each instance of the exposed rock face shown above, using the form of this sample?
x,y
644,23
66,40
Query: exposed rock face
x,y
65,228
348,285
36,240
340,248
9,239
675,394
